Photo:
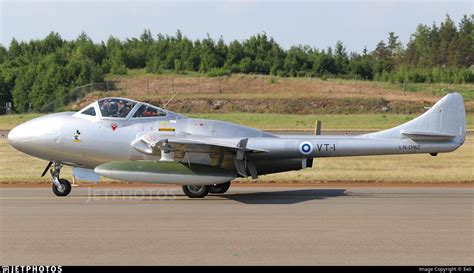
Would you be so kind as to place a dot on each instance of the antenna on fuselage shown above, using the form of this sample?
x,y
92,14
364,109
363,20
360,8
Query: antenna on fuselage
x,y
172,97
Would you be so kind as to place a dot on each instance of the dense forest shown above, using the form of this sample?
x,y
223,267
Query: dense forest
x,y
40,71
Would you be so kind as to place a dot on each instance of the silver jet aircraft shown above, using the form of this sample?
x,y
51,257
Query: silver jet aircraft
x,y
133,141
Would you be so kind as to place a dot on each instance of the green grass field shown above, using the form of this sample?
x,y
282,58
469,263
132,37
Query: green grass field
x,y
16,167
283,122
7,122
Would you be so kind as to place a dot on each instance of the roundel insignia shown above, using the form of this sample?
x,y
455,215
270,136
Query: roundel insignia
x,y
306,148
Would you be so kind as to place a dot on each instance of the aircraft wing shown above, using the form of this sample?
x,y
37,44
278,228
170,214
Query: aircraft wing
x,y
153,144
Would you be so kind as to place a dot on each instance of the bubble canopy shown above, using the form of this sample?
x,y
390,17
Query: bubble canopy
x,y
122,108
115,107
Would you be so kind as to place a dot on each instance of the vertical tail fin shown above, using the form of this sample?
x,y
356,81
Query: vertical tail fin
x,y
446,120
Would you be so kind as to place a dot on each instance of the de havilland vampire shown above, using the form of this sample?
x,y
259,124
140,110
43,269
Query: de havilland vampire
x,y
134,141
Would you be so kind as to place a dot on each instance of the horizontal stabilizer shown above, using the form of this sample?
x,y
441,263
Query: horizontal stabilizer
x,y
427,135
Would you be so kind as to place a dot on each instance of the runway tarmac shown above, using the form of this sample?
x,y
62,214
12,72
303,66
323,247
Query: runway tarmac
x,y
270,225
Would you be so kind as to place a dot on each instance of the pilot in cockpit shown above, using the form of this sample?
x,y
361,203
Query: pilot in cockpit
x,y
104,108
113,109
124,108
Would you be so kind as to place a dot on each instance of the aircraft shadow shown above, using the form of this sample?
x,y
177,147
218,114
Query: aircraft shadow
x,y
254,198
283,197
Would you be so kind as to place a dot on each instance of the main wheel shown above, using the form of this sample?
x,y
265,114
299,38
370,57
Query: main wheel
x,y
219,188
196,191
65,188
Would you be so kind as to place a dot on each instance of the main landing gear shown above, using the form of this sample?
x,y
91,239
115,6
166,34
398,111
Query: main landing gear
x,y
200,191
219,188
61,187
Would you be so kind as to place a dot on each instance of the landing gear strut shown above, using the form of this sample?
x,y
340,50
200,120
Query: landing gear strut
x,y
61,187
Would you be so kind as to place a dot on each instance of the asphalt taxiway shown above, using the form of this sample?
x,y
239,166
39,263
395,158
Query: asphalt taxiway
x,y
309,225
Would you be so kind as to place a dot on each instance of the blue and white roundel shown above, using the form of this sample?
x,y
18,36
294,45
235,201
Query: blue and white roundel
x,y
306,148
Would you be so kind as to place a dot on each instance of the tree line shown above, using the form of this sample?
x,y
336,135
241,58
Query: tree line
x,y
40,71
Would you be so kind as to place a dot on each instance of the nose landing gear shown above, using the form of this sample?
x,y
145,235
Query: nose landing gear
x,y
61,187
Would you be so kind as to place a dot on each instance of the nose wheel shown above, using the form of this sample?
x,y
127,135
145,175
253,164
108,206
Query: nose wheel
x,y
61,186
63,189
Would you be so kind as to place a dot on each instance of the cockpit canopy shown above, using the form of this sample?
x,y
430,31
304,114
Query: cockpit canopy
x,y
122,108
115,107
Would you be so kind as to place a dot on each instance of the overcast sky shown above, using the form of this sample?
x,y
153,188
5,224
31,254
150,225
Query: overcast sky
x,y
316,23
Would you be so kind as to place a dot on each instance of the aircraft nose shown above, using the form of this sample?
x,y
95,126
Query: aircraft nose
x,y
35,134
12,135
19,134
